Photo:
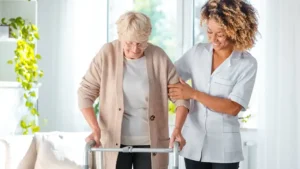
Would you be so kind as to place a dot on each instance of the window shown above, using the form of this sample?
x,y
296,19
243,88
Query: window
x,y
199,31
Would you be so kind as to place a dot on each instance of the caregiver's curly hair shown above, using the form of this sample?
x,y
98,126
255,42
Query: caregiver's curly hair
x,y
237,18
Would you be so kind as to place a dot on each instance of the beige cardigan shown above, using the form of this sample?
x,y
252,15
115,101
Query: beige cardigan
x,y
104,79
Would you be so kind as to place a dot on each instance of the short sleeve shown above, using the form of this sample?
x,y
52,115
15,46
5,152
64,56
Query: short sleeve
x,y
242,90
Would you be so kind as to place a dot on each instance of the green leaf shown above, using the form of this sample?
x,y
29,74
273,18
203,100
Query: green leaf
x,y
41,74
29,86
23,124
14,25
29,104
35,129
30,38
20,72
10,62
172,107
34,112
32,94
38,56
24,32
19,79
27,76
33,27
19,21
32,45
3,21
12,19
25,132
14,35
25,96
36,35
34,74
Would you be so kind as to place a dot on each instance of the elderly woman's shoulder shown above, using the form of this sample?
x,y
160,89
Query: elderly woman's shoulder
x,y
155,50
107,48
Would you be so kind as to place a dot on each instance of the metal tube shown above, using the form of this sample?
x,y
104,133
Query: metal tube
x,y
130,149
134,150
88,147
176,155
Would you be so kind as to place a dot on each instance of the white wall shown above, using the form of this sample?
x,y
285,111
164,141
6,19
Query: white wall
x,y
25,9
71,33
7,53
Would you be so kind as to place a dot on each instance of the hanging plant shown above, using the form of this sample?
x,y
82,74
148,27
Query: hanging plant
x,y
26,67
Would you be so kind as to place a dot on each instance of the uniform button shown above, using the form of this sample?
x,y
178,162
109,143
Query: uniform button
x,y
154,154
117,144
120,109
152,117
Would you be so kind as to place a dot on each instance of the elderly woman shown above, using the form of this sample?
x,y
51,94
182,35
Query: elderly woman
x,y
223,75
130,76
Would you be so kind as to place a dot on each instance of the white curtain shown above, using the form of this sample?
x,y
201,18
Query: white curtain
x,y
72,32
279,81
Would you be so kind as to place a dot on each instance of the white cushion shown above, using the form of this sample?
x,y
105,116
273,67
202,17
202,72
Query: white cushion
x,y
3,148
60,150
20,152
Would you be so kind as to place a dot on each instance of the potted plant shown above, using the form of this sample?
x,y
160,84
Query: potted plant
x,y
25,64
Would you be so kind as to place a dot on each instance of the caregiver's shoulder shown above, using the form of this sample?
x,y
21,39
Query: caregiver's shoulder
x,y
198,49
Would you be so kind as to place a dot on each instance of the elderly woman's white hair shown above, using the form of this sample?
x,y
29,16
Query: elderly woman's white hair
x,y
134,26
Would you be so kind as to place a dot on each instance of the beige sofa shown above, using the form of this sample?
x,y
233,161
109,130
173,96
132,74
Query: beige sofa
x,y
53,150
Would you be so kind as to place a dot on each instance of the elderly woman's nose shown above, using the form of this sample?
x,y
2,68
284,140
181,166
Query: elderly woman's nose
x,y
134,48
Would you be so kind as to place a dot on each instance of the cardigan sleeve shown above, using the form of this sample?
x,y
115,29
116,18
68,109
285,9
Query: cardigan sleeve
x,y
90,85
173,78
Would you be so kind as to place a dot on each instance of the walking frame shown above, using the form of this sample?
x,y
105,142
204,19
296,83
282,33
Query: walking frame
x,y
89,148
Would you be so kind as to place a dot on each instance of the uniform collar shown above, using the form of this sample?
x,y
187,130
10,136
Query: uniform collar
x,y
233,58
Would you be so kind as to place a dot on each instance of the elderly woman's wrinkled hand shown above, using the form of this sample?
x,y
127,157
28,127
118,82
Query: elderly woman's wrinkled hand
x,y
181,91
95,135
177,136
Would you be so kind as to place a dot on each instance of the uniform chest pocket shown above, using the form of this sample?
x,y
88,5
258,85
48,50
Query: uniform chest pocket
x,y
221,87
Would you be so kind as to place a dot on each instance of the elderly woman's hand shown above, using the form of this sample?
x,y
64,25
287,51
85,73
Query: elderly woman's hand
x,y
95,135
177,136
181,91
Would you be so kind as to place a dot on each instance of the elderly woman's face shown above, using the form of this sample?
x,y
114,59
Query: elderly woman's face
x,y
217,36
134,50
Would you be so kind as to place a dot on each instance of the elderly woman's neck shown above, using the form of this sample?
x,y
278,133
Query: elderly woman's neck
x,y
133,57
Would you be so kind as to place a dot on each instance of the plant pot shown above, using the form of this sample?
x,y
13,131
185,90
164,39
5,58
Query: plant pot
x,y
4,32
